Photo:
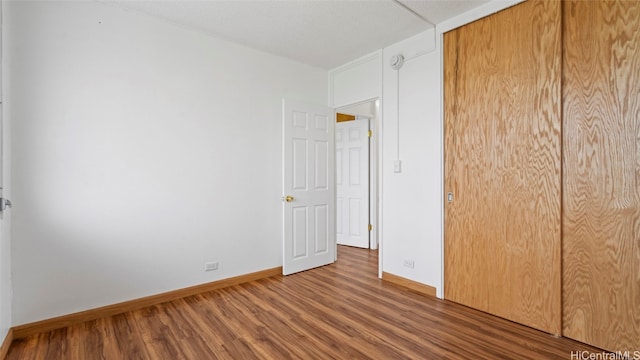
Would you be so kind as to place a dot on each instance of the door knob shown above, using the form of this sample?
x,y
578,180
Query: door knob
x,y
288,198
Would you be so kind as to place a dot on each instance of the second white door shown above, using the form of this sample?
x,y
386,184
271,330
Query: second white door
x,y
352,180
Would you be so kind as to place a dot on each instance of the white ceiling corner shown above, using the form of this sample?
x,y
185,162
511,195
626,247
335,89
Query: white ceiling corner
x,y
321,33
437,11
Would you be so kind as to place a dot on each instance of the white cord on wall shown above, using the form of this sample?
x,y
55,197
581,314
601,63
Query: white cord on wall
x,y
396,63
397,165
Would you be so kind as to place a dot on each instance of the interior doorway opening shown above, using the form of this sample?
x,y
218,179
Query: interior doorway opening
x,y
309,183
356,173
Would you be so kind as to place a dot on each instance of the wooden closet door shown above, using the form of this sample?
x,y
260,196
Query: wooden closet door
x,y
601,173
502,164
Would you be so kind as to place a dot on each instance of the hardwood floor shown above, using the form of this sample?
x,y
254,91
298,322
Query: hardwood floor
x,y
340,311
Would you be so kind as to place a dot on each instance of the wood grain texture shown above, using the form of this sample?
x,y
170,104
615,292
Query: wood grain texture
x,y
601,172
6,343
339,311
344,117
503,164
409,284
25,330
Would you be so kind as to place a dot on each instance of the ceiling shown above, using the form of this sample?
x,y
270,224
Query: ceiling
x,y
321,33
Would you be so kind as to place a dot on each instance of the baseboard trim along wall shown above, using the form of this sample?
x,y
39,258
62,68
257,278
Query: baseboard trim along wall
x,y
21,331
4,349
409,284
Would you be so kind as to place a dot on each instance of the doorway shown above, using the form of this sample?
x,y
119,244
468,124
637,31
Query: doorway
x,y
309,183
356,169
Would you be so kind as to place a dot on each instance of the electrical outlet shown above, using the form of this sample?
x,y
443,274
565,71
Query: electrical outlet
x,y
408,263
210,266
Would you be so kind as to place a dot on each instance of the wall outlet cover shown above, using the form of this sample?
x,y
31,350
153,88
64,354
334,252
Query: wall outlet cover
x,y
210,266
397,166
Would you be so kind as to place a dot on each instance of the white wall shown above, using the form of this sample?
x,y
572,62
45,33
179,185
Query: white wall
x,y
410,201
5,217
412,213
356,81
140,151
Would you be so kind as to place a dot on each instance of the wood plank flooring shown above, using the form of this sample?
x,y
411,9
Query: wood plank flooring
x,y
340,311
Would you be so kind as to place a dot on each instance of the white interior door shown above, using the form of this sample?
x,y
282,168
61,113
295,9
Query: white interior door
x,y
352,179
308,186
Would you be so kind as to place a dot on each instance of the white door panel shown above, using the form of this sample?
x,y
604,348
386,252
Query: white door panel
x,y
308,178
352,169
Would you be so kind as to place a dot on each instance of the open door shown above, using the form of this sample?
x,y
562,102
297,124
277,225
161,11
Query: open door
x,y
309,190
352,179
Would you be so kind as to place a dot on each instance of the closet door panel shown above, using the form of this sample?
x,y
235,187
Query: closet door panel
x,y
601,173
502,164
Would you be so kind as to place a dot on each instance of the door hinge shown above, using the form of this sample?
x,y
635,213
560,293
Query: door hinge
x,y
370,227
4,204
370,133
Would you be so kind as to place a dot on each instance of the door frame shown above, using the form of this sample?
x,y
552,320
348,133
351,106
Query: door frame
x,y
375,182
